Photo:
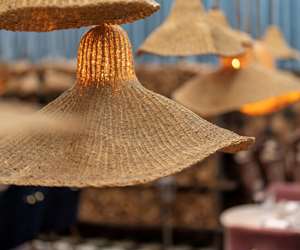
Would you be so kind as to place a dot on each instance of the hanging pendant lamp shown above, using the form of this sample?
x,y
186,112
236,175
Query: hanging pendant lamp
x,y
188,31
48,15
248,83
243,84
130,135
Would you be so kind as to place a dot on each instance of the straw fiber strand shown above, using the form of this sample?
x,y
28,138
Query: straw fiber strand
x,y
188,31
129,135
48,15
229,90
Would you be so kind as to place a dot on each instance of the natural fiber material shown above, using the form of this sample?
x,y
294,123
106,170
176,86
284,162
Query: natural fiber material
x,y
218,16
230,90
48,15
129,136
278,46
188,31
105,59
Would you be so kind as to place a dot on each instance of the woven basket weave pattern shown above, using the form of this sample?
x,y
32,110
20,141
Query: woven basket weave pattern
x,y
105,59
130,136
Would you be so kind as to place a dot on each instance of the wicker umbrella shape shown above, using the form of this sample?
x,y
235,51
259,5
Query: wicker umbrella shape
x,y
129,135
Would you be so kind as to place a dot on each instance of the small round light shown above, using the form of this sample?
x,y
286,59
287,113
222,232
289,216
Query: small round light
x,y
39,196
236,64
30,199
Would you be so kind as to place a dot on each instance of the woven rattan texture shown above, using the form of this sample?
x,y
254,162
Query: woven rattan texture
x,y
48,15
128,136
105,59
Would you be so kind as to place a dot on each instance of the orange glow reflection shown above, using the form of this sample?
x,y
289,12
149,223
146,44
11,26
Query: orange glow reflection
x,y
261,55
270,105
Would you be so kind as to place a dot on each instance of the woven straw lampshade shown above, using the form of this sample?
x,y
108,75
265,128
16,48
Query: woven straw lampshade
x,y
130,134
218,16
230,90
188,31
48,15
253,88
278,46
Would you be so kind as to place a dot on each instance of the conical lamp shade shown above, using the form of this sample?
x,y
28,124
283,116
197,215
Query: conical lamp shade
x,y
130,134
278,46
48,15
232,90
188,31
218,16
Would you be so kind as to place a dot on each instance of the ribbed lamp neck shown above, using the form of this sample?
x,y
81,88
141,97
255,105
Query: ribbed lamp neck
x,y
105,57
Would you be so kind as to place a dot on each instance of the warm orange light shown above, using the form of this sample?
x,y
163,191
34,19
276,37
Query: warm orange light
x,y
262,55
258,53
270,105
236,64
105,60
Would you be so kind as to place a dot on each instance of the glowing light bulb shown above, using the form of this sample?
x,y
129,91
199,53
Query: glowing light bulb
x,y
236,64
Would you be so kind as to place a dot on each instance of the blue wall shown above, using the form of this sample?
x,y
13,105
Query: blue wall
x,y
65,43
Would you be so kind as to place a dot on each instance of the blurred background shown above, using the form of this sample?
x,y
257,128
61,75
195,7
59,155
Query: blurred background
x,y
181,212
